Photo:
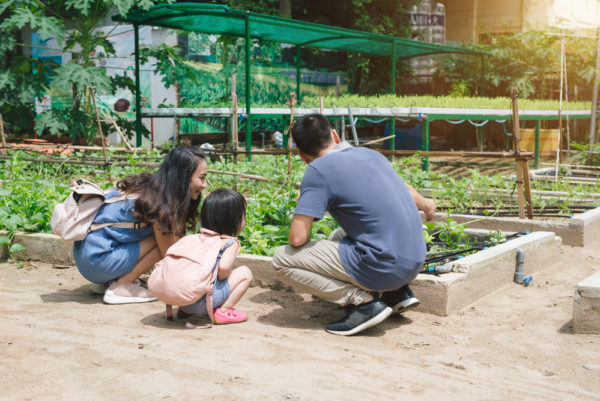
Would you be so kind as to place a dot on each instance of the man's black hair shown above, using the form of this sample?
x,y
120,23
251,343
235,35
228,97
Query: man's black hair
x,y
223,211
312,133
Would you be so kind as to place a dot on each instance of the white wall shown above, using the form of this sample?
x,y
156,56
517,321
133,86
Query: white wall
x,y
163,129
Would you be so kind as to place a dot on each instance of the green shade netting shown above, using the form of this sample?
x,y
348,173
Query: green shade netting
x,y
220,19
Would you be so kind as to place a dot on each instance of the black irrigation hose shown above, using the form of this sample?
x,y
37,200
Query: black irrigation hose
x,y
508,214
453,255
586,207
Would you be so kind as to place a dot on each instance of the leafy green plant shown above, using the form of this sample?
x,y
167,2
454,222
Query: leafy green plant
x,y
471,102
582,157
29,191
6,240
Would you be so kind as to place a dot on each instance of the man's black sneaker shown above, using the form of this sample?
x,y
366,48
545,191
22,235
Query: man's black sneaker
x,y
360,317
400,300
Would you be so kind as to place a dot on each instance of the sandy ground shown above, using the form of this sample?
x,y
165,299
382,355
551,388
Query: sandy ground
x,y
58,341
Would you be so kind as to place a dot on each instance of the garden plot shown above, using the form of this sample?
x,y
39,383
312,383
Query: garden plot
x,y
471,278
580,229
579,175
476,275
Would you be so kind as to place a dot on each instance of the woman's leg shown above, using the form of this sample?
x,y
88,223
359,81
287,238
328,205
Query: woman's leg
x,y
239,281
149,255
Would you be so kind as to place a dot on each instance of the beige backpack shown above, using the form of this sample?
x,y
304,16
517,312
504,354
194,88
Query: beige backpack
x,y
72,219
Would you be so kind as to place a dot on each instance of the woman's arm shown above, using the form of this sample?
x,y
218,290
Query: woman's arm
x,y
227,259
164,241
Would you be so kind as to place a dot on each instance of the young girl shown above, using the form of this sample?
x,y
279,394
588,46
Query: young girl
x,y
166,201
224,212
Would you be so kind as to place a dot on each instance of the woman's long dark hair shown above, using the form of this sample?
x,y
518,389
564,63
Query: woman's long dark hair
x,y
164,197
223,211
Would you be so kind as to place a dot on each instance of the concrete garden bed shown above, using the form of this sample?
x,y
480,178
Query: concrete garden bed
x,y
472,277
581,229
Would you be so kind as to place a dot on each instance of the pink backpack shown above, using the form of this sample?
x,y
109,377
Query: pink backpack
x,y
188,271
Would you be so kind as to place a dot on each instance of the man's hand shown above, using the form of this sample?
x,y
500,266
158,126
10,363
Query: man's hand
x,y
425,204
428,207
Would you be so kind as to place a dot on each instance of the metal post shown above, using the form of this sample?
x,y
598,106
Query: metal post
x,y
138,95
248,97
352,126
298,72
538,123
425,143
393,121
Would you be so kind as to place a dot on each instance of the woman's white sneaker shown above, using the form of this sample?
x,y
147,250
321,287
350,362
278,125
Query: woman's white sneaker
x,y
127,294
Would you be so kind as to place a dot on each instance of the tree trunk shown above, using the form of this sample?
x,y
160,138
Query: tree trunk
x,y
285,8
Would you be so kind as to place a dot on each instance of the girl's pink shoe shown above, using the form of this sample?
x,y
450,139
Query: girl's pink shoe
x,y
229,316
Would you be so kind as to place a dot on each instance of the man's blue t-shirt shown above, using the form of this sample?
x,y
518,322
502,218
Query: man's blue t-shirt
x,y
384,248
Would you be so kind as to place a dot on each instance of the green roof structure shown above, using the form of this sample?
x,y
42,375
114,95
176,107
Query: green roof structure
x,y
222,20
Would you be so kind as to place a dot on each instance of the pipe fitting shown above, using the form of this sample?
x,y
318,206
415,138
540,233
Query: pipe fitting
x,y
519,273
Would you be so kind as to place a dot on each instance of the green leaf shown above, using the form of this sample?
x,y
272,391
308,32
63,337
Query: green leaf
x,y
16,248
49,27
6,4
82,5
44,25
7,42
7,80
123,6
53,121
83,76
4,240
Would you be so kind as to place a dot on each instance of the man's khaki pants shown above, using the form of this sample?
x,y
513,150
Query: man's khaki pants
x,y
316,268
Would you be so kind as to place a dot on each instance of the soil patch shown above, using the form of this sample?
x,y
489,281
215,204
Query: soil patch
x,y
59,341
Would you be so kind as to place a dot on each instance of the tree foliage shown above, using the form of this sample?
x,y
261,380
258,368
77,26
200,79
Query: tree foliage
x,y
368,74
527,61
23,78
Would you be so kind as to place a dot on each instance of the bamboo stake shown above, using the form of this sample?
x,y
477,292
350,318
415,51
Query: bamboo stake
x,y
70,146
250,177
2,134
517,147
111,120
142,164
520,164
378,140
275,152
592,133
99,125
560,98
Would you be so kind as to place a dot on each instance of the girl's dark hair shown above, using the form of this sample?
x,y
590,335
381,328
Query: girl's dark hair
x,y
223,211
164,197
312,133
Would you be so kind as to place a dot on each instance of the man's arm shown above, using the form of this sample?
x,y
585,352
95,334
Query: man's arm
x,y
425,204
300,229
